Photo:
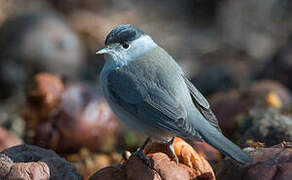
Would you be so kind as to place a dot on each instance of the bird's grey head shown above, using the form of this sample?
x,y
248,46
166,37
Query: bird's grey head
x,y
126,43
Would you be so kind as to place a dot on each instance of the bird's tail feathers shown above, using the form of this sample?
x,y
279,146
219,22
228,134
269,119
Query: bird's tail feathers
x,y
215,138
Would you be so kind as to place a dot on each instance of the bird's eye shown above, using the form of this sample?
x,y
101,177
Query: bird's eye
x,y
126,45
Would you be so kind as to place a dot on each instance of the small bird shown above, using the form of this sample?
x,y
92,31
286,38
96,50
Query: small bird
x,y
148,90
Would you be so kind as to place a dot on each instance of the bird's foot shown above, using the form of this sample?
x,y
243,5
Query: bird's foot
x,y
144,158
170,146
141,154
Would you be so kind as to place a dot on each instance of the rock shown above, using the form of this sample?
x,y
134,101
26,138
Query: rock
x,y
88,162
274,163
10,115
37,41
212,155
232,107
110,173
8,139
31,162
216,79
279,67
267,126
224,68
44,100
48,91
162,168
191,166
227,107
261,90
68,117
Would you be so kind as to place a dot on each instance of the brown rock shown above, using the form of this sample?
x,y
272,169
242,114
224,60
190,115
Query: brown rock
x,y
232,106
162,168
267,126
187,156
191,166
31,170
43,102
88,162
261,90
227,107
68,117
7,139
48,91
110,173
83,111
5,164
274,163
31,162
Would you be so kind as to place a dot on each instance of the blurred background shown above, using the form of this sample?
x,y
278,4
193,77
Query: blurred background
x,y
238,53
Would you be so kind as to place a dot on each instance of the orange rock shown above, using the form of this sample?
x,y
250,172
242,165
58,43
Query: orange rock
x,y
190,157
211,154
192,165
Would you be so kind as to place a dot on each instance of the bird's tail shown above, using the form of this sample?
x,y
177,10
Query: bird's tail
x,y
215,138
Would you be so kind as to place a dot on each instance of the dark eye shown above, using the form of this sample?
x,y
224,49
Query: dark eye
x,y
125,45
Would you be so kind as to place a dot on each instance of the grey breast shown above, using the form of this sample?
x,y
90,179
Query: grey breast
x,y
152,90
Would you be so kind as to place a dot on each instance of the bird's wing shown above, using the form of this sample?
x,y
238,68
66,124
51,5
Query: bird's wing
x,y
154,106
202,104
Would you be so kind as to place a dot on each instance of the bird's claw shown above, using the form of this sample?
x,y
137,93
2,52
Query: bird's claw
x,y
143,157
170,145
176,160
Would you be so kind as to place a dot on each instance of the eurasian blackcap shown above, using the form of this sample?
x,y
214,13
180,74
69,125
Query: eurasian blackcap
x,y
148,90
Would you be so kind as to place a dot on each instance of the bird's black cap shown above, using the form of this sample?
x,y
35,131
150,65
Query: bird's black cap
x,y
122,34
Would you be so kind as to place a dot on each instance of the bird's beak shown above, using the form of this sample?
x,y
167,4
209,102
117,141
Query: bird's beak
x,y
103,51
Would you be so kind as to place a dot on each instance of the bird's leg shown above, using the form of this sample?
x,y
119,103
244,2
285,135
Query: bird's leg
x,y
141,154
145,144
170,145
